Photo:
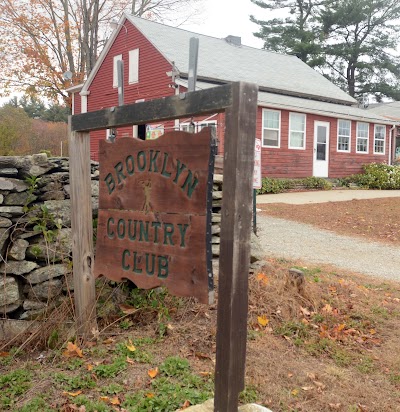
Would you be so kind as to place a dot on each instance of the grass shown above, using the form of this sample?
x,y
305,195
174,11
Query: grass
x,y
335,344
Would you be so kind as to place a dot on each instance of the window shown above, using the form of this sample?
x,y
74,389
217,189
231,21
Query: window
x,y
115,69
185,127
133,66
271,132
362,137
379,139
344,133
297,131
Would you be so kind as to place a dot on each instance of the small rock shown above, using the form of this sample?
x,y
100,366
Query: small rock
x,y
46,273
9,291
11,211
19,199
17,267
46,290
10,171
4,222
18,249
33,305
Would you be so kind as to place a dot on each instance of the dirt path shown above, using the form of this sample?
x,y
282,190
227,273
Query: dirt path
x,y
284,238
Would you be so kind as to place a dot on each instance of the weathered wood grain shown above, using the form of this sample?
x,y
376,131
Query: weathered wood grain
x,y
82,233
201,102
153,224
235,247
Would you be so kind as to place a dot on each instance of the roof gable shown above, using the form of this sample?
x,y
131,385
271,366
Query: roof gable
x,y
223,61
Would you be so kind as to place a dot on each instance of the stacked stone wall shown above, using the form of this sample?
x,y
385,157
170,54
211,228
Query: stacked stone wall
x,y
35,234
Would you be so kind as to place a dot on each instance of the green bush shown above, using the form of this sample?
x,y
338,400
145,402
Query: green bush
x,y
313,182
271,185
377,176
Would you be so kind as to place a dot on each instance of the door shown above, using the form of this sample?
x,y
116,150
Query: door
x,y
321,149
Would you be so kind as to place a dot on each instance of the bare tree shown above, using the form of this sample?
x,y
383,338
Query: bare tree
x,y
40,40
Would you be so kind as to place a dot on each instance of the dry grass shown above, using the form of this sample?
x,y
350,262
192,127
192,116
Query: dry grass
x,y
332,347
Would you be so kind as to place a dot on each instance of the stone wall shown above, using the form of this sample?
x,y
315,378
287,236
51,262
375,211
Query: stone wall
x,y
35,232
35,244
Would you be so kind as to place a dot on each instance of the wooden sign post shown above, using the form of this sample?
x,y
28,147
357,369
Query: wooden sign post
x,y
239,102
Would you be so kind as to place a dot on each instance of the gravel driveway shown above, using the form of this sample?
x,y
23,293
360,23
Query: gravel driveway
x,y
284,238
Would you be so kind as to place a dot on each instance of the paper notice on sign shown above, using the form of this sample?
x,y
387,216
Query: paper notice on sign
x,y
257,165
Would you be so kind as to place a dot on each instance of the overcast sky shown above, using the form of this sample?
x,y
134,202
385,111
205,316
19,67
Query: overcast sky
x,y
221,18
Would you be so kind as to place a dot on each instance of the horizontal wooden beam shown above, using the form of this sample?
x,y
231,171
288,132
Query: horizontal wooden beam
x,y
202,102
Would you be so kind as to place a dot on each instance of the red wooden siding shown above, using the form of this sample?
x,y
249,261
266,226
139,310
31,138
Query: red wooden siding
x,y
293,163
153,80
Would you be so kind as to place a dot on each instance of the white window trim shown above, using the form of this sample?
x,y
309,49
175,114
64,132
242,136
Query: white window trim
x,y
197,124
384,140
115,70
305,131
267,128
337,145
133,66
357,137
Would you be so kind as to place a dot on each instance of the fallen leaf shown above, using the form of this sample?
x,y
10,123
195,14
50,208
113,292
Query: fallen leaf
x,y
108,341
205,373
372,331
127,309
130,346
73,351
89,367
290,375
262,278
341,327
311,375
152,373
305,311
72,393
295,392
186,404
327,308
150,395
4,354
115,401
307,388
201,355
262,320
130,360
105,399
335,406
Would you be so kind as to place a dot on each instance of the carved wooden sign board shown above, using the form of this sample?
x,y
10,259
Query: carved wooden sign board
x,y
154,224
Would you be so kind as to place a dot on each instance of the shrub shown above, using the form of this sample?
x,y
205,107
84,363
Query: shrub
x,y
377,176
316,183
270,185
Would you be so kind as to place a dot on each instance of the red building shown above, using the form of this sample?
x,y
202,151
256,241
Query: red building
x,y
308,126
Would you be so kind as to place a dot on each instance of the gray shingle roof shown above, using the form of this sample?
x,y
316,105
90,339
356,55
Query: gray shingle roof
x,y
391,110
279,101
221,60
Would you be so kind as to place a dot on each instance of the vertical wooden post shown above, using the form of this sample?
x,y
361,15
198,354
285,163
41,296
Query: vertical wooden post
x,y
82,233
234,258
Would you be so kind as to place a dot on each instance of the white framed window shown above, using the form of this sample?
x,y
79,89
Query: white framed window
x,y
297,131
115,69
185,127
271,128
379,139
362,137
344,136
133,66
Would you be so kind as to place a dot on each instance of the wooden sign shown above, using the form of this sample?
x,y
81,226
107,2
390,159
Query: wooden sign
x,y
154,224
